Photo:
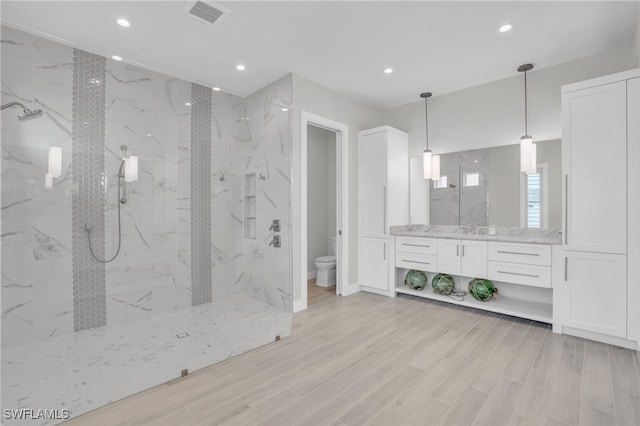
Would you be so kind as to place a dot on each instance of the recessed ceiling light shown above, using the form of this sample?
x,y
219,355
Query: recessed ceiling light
x,y
187,104
116,58
285,109
216,89
123,23
240,67
388,70
505,28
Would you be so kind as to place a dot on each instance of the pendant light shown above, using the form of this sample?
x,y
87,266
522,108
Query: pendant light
x,y
528,160
430,162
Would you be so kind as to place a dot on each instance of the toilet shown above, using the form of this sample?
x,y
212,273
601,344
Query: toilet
x,y
326,267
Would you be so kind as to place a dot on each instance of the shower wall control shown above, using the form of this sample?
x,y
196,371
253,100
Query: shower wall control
x,y
275,241
275,226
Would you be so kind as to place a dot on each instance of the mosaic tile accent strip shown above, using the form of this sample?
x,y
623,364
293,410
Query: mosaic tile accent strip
x,y
201,113
88,203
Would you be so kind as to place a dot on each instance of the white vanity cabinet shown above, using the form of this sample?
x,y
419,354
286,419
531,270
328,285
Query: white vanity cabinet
x,y
383,200
525,264
374,252
594,292
597,291
522,272
462,257
594,149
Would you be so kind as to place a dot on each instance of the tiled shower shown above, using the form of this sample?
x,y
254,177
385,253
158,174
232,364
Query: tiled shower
x,y
189,287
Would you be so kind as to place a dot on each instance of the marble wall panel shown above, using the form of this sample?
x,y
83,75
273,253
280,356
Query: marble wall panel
x,y
36,220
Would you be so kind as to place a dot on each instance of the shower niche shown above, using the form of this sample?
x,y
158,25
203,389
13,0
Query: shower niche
x,y
250,206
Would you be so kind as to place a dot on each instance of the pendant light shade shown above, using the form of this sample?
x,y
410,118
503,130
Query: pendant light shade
x,y
528,157
430,162
427,157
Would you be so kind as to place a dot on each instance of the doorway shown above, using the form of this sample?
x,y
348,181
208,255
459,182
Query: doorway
x,y
321,213
340,225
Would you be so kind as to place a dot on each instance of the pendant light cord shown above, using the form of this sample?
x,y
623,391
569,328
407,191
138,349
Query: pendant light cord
x,y
426,119
526,132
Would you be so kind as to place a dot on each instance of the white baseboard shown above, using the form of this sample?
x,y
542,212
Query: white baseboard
x,y
618,341
312,275
299,305
351,289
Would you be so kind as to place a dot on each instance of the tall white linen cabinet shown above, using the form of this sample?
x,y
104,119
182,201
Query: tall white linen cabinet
x,y
383,201
597,289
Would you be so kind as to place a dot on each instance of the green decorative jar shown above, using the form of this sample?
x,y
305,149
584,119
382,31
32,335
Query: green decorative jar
x,y
443,284
416,280
482,289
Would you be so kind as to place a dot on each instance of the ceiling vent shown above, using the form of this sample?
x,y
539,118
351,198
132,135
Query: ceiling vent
x,y
207,11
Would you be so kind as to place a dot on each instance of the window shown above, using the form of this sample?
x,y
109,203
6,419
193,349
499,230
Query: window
x,y
440,183
534,211
534,201
471,179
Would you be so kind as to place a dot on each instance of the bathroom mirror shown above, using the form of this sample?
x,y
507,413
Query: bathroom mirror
x,y
485,187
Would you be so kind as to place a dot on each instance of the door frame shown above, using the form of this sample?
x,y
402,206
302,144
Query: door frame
x,y
342,204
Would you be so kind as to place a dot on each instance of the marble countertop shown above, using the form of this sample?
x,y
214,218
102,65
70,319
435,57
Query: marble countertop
x,y
481,233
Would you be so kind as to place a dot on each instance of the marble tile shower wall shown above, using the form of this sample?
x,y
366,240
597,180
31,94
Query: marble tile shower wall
x,y
252,135
147,112
37,292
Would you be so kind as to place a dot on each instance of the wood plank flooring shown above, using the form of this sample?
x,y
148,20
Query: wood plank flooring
x,y
367,359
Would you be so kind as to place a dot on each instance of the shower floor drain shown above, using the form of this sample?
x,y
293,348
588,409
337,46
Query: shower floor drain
x,y
182,335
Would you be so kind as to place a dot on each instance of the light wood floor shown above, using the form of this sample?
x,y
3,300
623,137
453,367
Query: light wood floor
x,y
367,359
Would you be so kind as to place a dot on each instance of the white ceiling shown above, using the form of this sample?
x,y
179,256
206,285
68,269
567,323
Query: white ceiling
x,y
432,46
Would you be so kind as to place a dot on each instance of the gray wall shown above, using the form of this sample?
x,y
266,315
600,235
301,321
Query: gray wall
x,y
316,99
321,193
636,44
492,114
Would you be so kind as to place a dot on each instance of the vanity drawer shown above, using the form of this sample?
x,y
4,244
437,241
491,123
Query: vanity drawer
x,y
532,254
417,245
533,275
421,262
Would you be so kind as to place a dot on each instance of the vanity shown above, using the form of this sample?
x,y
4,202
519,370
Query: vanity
x,y
518,261
489,220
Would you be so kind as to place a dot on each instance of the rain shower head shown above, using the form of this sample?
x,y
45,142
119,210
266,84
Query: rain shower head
x,y
27,114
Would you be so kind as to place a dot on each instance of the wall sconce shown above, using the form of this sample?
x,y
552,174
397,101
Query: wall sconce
x,y
55,161
131,168
54,166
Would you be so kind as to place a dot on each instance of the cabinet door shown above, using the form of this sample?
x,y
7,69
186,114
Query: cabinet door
x,y
474,259
449,256
633,112
595,168
374,263
595,287
373,185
